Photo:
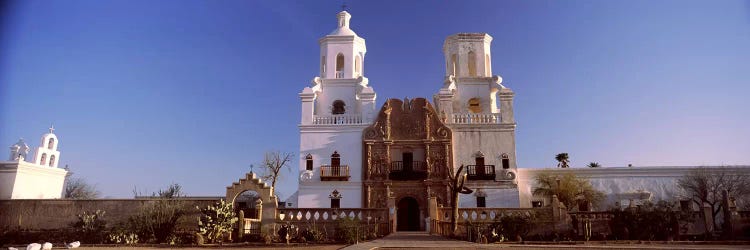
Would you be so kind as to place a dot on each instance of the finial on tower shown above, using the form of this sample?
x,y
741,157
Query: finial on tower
x,y
52,129
343,6
343,17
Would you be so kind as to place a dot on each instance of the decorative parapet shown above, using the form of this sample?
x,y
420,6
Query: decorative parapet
x,y
486,214
471,118
331,214
338,119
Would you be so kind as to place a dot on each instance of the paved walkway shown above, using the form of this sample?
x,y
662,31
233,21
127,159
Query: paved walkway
x,y
410,240
413,240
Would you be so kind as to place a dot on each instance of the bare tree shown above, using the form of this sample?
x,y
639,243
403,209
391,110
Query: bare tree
x,y
78,188
456,185
705,185
272,164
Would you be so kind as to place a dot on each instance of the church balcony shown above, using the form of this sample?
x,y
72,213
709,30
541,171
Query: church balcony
x,y
478,118
334,173
338,119
480,172
415,170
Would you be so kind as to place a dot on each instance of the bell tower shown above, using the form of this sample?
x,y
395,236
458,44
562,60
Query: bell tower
x,y
479,110
336,107
341,89
47,154
470,87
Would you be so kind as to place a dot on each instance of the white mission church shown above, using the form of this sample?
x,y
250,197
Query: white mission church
x,y
356,155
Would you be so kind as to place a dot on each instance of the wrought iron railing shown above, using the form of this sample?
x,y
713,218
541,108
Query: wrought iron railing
x,y
334,173
480,172
251,227
414,166
416,170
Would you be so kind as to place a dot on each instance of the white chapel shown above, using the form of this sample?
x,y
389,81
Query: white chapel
x,y
37,177
356,155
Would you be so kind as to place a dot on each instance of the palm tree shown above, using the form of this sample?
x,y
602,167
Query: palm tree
x,y
569,189
562,159
594,165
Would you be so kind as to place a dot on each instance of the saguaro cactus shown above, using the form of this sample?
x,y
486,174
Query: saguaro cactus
x,y
456,184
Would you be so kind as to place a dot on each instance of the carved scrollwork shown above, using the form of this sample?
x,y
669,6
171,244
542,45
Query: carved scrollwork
x,y
306,175
442,132
507,175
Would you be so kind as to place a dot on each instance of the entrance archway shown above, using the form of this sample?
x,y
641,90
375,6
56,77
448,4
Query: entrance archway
x,y
408,215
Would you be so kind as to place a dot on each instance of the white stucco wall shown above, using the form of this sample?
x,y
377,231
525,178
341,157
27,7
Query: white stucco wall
x,y
316,195
619,183
32,181
491,139
7,181
495,197
337,89
320,142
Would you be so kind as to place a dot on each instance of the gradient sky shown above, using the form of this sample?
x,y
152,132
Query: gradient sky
x,y
148,93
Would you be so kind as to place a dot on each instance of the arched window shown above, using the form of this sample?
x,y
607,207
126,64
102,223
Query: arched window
x,y
335,159
452,67
52,161
309,162
339,107
487,66
340,66
323,65
358,66
472,64
506,161
475,105
51,143
479,159
43,161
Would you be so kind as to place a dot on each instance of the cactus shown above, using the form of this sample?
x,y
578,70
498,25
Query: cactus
x,y
216,220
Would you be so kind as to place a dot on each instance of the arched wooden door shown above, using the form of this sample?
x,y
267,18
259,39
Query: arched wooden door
x,y
408,215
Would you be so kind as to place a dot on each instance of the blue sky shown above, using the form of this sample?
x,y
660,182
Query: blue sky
x,y
148,93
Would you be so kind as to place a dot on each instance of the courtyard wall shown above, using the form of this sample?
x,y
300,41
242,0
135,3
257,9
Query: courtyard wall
x,y
50,214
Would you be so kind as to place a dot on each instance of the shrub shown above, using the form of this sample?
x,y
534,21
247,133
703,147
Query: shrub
x,y
157,221
90,226
216,220
349,230
659,221
313,235
121,237
512,226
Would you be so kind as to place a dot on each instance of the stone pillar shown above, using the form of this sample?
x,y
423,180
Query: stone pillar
x,y
506,106
268,215
241,223
432,212
727,207
708,218
427,159
307,97
555,208
392,213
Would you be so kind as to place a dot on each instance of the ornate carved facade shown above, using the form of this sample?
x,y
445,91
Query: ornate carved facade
x,y
407,153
